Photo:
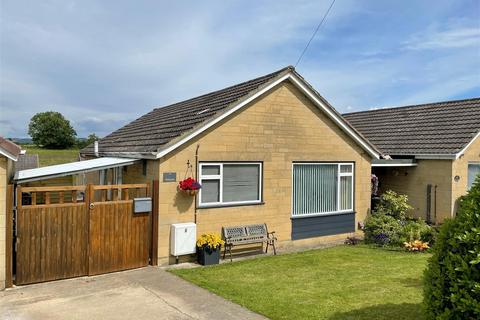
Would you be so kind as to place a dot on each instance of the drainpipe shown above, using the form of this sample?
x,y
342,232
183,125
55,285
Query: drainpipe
x,y
435,203
196,178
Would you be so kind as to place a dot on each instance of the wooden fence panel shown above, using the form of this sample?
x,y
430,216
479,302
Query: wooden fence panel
x,y
75,237
51,242
119,238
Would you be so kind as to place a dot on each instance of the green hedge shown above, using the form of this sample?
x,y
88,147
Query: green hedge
x,y
452,279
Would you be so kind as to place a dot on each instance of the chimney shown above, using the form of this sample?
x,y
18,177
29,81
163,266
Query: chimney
x,y
95,148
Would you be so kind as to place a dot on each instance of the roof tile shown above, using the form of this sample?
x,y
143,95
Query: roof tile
x,y
434,128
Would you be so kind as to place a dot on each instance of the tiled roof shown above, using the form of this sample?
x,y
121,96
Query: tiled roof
x,y
26,161
157,128
9,148
434,128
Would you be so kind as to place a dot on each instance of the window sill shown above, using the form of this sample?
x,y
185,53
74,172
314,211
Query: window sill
x,y
227,205
322,215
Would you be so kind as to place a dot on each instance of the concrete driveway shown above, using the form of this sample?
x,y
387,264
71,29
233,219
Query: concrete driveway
x,y
147,293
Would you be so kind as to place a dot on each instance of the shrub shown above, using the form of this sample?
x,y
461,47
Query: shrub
x,y
393,204
382,229
83,143
452,279
417,230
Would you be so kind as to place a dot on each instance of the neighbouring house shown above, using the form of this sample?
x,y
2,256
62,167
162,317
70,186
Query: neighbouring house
x,y
434,150
9,153
269,150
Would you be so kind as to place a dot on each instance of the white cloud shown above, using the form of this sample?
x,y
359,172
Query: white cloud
x,y
451,36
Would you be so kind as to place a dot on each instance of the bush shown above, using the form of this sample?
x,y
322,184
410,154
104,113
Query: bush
x,y
452,279
389,225
83,143
383,230
393,204
417,230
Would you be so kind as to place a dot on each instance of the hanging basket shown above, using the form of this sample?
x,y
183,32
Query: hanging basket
x,y
189,186
189,192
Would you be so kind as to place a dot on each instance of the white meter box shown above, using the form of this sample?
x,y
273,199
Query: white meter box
x,y
183,238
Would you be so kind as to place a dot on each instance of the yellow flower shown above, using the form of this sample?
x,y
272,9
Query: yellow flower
x,y
211,240
416,245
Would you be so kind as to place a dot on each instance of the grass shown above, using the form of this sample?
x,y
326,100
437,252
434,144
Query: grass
x,y
344,282
48,157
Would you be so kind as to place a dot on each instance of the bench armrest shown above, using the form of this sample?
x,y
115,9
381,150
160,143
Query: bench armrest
x,y
272,235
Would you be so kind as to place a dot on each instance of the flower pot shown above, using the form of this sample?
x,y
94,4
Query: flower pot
x,y
207,256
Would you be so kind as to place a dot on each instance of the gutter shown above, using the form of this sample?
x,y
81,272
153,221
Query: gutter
x,y
132,155
436,156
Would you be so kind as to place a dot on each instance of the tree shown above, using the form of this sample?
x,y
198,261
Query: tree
x,y
51,130
452,279
82,143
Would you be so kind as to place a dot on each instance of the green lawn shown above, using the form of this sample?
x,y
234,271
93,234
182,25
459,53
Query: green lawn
x,y
344,282
48,157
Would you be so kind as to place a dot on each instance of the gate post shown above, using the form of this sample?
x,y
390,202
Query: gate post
x,y
9,238
89,198
155,216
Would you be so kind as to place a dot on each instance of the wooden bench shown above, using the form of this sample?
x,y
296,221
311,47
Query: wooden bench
x,y
248,234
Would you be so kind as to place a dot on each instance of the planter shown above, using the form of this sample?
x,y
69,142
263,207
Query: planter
x,y
190,192
208,257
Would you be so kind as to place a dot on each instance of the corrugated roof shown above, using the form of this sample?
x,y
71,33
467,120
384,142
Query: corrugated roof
x,y
66,169
442,128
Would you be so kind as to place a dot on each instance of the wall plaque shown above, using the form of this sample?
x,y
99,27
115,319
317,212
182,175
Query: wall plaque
x,y
169,177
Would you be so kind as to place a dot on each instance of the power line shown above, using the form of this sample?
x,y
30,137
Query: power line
x,y
313,35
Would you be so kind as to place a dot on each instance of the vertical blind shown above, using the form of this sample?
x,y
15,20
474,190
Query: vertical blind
x,y
473,172
322,188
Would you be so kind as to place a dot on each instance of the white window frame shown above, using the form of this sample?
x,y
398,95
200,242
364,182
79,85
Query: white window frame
x,y
468,164
219,177
339,174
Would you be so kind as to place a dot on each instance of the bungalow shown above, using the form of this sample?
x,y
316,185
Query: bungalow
x,y
434,152
269,150
9,153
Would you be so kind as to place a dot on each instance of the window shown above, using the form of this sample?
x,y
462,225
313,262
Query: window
x,y
230,183
473,172
321,188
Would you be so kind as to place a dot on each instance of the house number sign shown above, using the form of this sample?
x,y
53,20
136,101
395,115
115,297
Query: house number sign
x,y
169,177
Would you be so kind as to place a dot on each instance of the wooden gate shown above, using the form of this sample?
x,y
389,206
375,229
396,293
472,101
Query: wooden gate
x,y
119,238
71,231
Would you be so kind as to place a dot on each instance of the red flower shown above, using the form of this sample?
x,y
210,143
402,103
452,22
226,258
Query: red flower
x,y
189,184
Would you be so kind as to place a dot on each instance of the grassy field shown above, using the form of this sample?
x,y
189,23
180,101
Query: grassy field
x,y
345,282
48,157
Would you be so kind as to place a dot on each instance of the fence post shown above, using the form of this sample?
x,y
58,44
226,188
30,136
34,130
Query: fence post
x,y
155,217
9,238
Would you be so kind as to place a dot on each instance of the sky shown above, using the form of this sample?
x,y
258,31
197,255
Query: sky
x,y
103,64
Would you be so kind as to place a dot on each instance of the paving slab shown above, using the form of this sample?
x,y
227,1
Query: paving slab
x,y
137,294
